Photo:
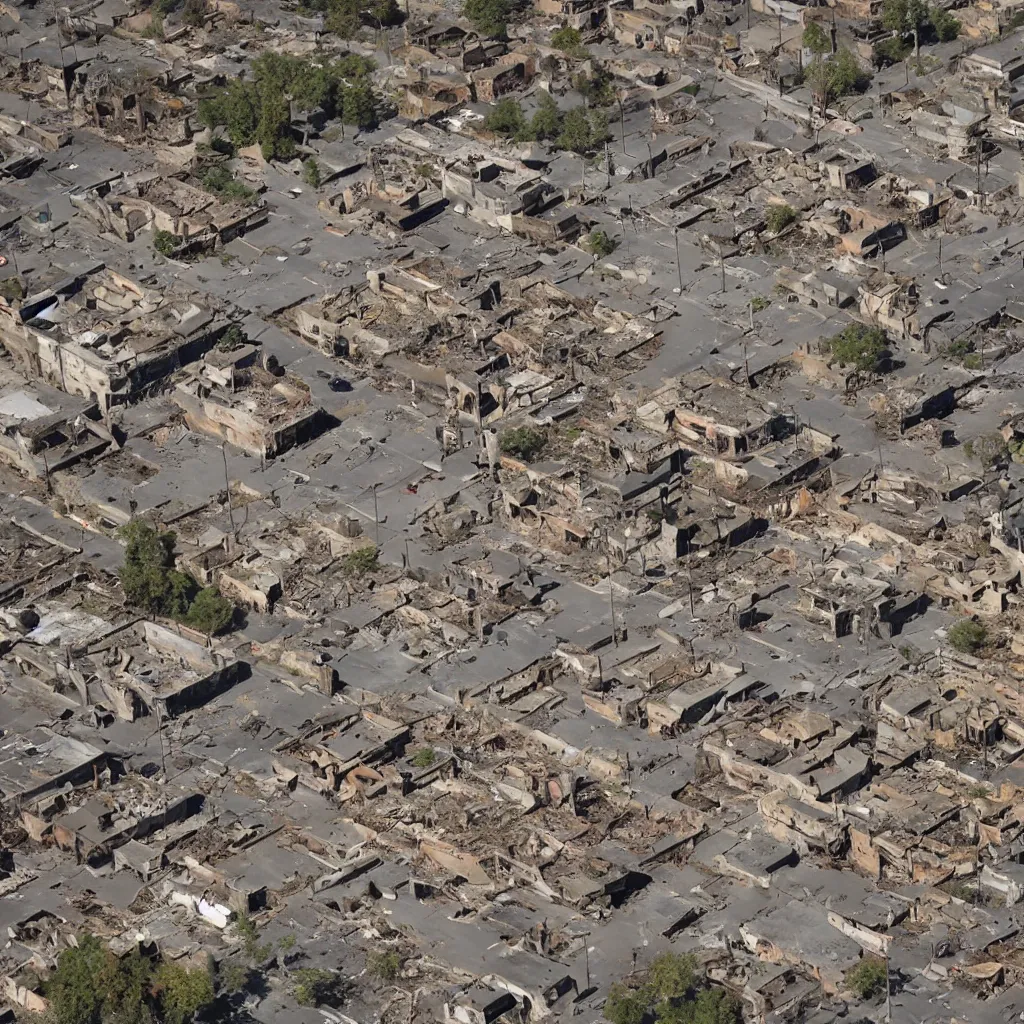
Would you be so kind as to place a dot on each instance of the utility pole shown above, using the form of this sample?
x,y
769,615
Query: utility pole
x,y
679,266
376,517
622,124
888,990
721,260
611,599
227,489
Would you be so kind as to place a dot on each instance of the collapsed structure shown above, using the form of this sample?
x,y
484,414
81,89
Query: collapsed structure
x,y
620,512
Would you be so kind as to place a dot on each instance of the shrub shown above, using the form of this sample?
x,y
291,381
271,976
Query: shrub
x,y
311,173
424,758
523,443
166,243
384,966
779,216
967,636
219,180
988,449
193,13
12,289
360,562
858,346
600,244
868,978
155,28
248,934
231,339
315,986
234,976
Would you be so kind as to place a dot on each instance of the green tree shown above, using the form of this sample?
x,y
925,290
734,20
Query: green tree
x,y
858,346
125,984
716,1006
945,25
889,51
672,976
835,76
151,583
868,977
817,40
385,13
74,989
547,118
506,119
359,105
181,993
599,133
273,132
148,560
625,1005
569,41
575,134
343,19
210,612
967,637
489,17
236,107
905,18
597,88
